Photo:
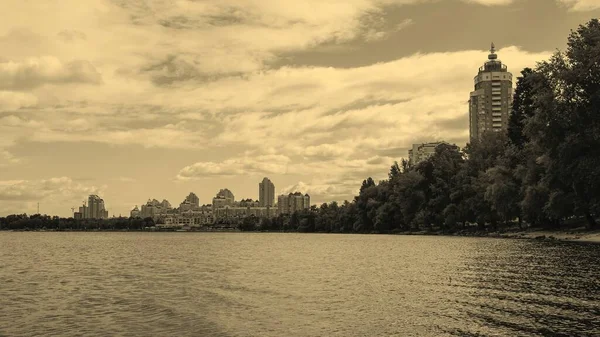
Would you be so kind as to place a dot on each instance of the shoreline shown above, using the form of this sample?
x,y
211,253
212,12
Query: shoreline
x,y
538,234
567,235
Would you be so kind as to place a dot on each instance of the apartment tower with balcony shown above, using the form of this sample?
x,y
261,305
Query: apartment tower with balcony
x,y
491,101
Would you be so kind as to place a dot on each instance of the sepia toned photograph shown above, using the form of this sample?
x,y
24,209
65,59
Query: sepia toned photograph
x,y
299,168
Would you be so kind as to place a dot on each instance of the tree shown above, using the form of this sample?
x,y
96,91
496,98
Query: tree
x,y
522,108
566,125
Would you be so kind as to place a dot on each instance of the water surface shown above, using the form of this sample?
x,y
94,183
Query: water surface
x,y
253,284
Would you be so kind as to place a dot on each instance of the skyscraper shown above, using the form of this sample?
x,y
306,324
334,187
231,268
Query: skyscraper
x,y
93,210
266,193
490,104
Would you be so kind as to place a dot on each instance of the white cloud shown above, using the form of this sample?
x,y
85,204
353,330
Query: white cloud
x,y
581,5
34,72
491,2
256,165
58,193
10,100
7,158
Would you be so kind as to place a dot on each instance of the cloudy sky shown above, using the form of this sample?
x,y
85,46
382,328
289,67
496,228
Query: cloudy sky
x,y
138,99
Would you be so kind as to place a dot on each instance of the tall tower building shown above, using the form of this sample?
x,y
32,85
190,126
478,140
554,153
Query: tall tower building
x,y
266,193
490,104
94,209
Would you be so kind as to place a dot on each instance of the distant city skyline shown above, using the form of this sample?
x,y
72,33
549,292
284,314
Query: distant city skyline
x,y
131,99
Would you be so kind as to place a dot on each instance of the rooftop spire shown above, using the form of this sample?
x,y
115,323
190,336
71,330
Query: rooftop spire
x,y
492,55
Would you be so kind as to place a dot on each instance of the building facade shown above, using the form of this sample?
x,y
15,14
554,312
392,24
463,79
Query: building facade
x,y
288,204
135,212
191,202
491,101
421,152
266,193
93,210
232,213
156,209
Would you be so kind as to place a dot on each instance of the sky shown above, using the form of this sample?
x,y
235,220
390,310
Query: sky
x,y
135,99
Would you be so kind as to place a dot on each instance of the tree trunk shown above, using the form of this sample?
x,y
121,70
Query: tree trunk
x,y
591,221
520,221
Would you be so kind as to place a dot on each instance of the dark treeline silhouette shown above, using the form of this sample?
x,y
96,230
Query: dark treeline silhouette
x,y
39,222
543,172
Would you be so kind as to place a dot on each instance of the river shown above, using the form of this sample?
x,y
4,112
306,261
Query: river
x,y
269,284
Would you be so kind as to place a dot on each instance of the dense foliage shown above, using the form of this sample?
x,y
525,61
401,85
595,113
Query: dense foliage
x,y
37,221
543,171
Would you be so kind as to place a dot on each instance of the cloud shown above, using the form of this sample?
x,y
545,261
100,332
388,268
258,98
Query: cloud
x,y
34,72
10,100
581,5
71,35
325,192
52,188
57,194
7,158
257,165
490,2
126,179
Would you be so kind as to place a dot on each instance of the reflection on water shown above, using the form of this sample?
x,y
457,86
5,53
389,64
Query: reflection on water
x,y
249,284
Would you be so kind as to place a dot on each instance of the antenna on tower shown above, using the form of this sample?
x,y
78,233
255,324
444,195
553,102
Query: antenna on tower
x,y
73,209
38,210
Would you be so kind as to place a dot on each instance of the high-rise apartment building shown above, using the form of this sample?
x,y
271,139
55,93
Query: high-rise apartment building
x,y
191,202
135,212
490,104
93,210
266,193
288,204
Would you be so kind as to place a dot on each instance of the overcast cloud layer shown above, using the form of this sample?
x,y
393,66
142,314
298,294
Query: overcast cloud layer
x,y
141,99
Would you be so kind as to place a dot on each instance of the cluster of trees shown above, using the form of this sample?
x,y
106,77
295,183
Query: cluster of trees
x,y
46,222
543,171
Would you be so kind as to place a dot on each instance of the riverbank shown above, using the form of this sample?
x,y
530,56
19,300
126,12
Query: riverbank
x,y
577,235
571,234
574,234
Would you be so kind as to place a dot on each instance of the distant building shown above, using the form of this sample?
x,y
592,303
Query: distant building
x,y
190,202
247,203
288,204
135,212
223,198
491,102
266,193
421,152
155,209
93,210
239,212
200,217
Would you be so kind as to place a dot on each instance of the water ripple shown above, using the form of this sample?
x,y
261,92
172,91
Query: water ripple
x,y
232,284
